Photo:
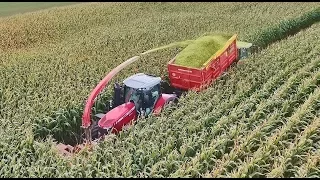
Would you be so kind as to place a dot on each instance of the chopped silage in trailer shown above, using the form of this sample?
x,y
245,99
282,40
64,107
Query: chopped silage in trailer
x,y
199,51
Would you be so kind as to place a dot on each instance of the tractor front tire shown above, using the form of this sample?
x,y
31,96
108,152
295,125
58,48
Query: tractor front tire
x,y
95,131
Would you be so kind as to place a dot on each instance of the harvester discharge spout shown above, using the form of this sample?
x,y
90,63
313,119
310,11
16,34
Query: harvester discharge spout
x,y
86,117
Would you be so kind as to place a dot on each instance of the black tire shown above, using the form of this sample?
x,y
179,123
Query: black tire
x,y
95,130
178,92
171,102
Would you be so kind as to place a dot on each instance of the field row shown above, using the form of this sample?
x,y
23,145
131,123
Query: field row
x,y
235,128
61,74
233,134
178,137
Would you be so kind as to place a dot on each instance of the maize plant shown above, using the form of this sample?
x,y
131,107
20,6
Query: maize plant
x,y
259,120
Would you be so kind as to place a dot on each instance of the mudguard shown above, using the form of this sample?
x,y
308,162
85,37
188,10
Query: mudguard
x,y
118,117
162,101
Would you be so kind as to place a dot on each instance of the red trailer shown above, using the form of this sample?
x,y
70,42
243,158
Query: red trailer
x,y
187,78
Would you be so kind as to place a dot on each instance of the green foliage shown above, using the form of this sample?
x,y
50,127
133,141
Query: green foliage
x,y
65,124
12,8
239,126
286,28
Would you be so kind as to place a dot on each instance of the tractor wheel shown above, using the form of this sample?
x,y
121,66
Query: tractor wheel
x,y
95,131
171,102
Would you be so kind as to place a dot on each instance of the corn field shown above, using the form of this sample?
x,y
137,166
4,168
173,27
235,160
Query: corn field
x,y
261,119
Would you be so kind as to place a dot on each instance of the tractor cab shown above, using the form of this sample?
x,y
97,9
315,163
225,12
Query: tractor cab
x,y
143,90
139,95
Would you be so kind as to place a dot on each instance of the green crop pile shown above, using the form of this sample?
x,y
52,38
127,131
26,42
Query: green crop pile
x,y
199,51
260,120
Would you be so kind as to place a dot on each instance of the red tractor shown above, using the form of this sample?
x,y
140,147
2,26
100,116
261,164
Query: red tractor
x,y
139,95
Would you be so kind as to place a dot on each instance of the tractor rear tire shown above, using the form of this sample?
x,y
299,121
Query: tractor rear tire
x,y
171,103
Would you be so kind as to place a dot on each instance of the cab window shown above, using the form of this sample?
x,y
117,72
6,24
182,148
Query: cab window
x,y
155,92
